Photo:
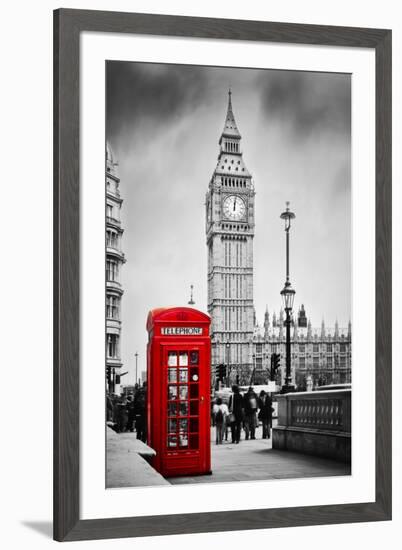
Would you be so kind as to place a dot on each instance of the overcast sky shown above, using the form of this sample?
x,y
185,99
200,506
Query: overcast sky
x,y
164,123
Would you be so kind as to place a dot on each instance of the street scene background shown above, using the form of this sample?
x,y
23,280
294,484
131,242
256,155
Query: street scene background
x,y
163,124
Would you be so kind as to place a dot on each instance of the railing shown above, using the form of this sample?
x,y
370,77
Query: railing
x,y
317,422
317,413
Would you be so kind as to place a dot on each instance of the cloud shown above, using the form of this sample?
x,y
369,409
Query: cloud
x,y
307,103
154,93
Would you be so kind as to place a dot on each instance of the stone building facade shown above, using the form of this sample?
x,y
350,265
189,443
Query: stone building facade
x,y
319,356
114,262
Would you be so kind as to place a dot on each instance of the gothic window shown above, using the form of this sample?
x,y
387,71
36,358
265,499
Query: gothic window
x,y
329,348
302,362
230,254
329,362
302,348
316,348
342,348
315,362
109,211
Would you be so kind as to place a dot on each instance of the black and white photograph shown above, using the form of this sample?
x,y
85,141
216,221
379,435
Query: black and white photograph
x,y
228,203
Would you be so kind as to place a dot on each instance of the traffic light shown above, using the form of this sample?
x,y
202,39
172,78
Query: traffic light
x,y
275,364
220,372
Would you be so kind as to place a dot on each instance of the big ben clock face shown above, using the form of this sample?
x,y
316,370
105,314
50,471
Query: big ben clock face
x,y
234,208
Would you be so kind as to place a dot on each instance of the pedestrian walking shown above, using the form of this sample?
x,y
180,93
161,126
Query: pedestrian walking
x,y
236,408
250,413
265,414
220,413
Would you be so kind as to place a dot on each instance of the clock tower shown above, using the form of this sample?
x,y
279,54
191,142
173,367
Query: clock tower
x,y
230,233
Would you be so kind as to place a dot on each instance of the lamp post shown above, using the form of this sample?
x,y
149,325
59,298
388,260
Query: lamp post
x,y
288,295
136,367
227,359
253,371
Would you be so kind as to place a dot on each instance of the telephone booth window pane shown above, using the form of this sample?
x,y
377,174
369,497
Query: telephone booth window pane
x,y
172,440
183,425
193,424
194,407
183,359
194,441
172,359
193,357
183,440
172,392
172,375
183,408
172,408
193,391
172,425
183,375
183,392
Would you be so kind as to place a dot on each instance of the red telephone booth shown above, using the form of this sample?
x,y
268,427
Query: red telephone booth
x,y
179,374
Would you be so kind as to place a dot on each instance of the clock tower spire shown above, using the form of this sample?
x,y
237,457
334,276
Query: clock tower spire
x,y
230,233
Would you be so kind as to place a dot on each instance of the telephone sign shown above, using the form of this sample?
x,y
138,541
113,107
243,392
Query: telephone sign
x,y
178,374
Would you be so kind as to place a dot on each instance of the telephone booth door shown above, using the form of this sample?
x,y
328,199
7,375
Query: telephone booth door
x,y
180,414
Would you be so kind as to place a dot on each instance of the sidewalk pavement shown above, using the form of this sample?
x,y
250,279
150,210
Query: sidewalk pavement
x,y
256,460
249,460
125,462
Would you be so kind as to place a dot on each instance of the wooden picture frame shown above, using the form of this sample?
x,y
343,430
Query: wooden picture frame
x,y
68,24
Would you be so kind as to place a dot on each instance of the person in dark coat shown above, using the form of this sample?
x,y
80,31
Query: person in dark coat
x,y
250,413
131,414
140,411
122,416
265,414
236,408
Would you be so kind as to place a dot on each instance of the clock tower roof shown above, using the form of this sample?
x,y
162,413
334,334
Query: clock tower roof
x,y
230,129
230,159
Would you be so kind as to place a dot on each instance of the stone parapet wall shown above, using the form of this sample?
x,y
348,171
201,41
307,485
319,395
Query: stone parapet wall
x,y
317,423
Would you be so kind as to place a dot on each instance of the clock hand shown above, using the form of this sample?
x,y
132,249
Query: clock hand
x,y
234,205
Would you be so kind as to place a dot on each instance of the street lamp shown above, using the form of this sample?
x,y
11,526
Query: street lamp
x,y
191,301
288,296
